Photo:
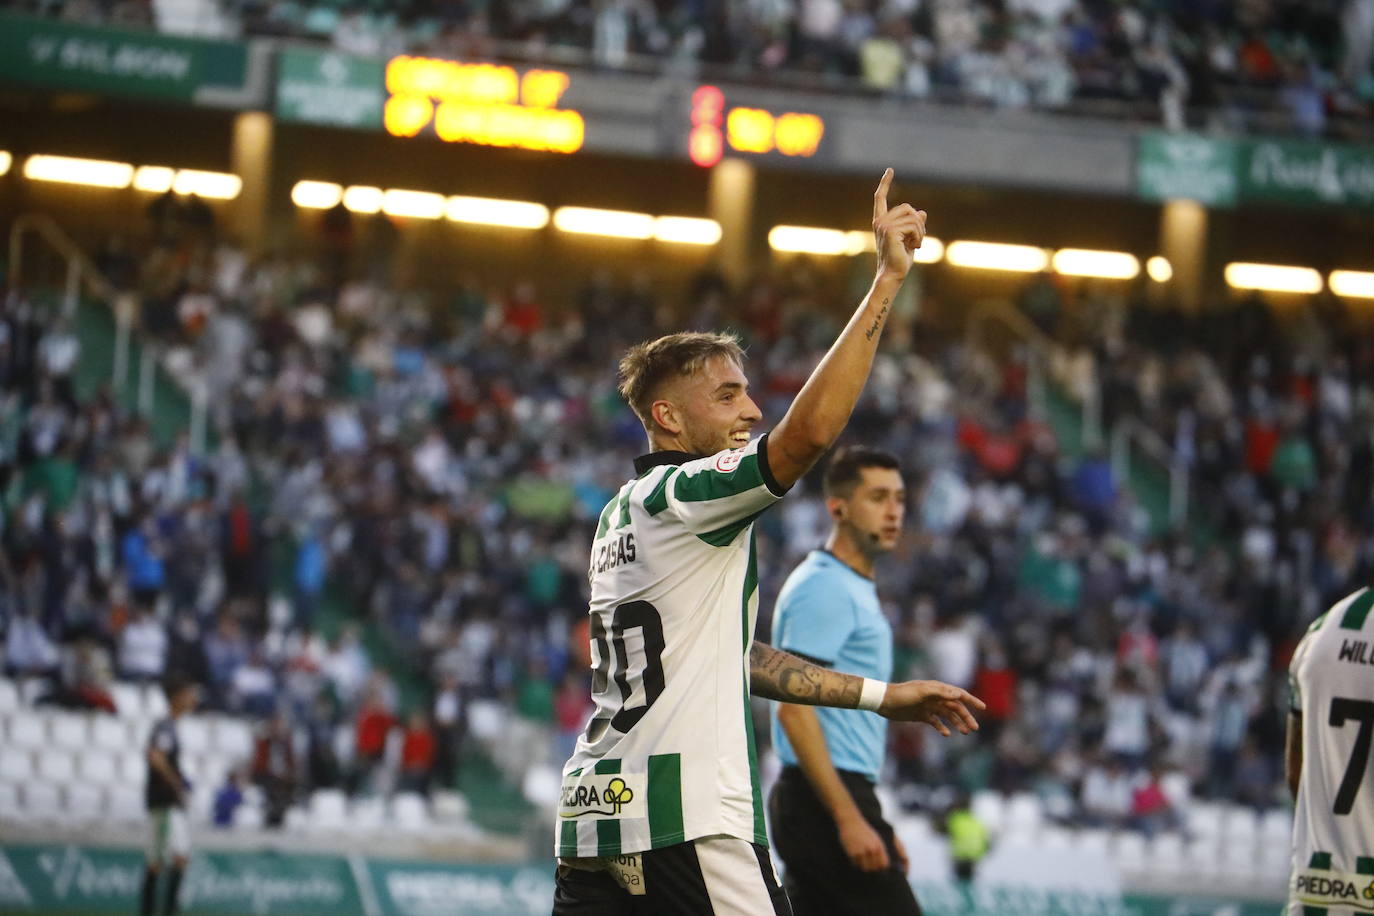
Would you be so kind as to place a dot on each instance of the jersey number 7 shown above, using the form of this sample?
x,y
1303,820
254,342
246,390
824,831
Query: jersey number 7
x,y
1361,711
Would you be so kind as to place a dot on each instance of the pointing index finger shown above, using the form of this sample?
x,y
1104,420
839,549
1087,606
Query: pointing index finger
x,y
880,195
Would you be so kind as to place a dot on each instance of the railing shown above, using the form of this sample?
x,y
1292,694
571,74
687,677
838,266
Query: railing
x,y
80,273
1125,433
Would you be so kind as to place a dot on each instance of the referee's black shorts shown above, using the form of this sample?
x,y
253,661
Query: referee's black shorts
x,y
819,878
712,876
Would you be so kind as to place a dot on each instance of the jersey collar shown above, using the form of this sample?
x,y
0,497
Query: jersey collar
x,y
653,459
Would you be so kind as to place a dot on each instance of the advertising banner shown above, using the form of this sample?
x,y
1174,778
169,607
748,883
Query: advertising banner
x,y
1170,166
47,53
326,87
1296,172
66,879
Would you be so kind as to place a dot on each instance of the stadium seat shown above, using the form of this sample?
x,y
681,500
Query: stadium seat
x,y
194,733
40,801
154,700
408,810
70,730
1094,841
16,765
1023,813
248,817
297,819
110,733
85,802
128,699
487,720
27,729
1205,820
542,785
31,689
233,738
98,766
1239,863
449,806
126,805
1276,827
9,802
213,767
328,809
1240,826
133,768
1130,851
990,808
55,766
9,695
367,814
1052,836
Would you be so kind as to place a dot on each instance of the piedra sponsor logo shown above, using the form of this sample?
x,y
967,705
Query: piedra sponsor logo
x,y
434,891
1344,890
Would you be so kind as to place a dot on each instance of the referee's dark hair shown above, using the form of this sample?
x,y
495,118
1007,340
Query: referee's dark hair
x,y
846,466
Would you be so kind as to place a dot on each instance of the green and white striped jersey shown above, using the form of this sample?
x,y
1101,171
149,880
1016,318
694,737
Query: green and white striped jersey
x,y
669,753
1332,678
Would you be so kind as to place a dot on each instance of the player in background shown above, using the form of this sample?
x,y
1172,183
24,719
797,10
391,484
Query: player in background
x,y
841,857
661,811
165,794
1330,733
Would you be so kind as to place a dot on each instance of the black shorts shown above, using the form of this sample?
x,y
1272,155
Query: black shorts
x,y
713,876
819,878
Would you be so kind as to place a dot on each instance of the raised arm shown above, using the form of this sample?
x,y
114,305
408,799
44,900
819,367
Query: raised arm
x,y
822,408
778,675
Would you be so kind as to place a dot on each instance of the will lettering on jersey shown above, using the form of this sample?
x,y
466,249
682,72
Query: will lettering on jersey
x,y
616,551
1356,651
1332,888
604,795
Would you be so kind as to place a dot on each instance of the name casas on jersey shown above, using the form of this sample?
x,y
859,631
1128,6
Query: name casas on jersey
x,y
612,553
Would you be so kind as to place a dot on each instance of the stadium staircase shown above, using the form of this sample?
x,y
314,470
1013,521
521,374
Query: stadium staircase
x,y
55,273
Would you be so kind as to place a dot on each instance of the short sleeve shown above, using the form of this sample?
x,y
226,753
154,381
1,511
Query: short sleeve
x,y
717,497
1294,678
161,738
813,618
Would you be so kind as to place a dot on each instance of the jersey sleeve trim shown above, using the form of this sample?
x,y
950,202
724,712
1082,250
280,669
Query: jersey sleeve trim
x,y
766,471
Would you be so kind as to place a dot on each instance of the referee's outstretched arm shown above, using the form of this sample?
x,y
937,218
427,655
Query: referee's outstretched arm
x,y
822,408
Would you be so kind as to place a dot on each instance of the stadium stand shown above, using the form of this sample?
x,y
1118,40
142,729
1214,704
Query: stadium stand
x,y
1287,65
442,455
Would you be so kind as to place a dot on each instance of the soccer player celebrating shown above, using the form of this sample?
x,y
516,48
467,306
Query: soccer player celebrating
x,y
661,811
165,794
1330,733
841,856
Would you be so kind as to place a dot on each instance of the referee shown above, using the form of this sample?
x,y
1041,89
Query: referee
x,y
165,793
841,856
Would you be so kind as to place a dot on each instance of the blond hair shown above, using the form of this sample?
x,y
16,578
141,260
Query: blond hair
x,y
646,366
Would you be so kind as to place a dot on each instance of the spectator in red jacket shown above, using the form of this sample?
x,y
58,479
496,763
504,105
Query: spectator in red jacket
x,y
371,728
418,751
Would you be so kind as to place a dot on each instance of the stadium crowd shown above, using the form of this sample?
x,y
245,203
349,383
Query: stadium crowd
x,y
427,466
1285,65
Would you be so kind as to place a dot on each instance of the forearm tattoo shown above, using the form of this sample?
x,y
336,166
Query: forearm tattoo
x,y
778,675
877,322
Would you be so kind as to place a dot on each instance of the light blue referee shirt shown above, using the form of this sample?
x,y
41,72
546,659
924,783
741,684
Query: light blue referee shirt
x,y
830,614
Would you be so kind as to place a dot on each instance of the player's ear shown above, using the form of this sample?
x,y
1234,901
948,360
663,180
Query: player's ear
x,y
666,416
836,508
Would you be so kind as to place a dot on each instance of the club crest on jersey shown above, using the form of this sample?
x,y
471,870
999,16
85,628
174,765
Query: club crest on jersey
x,y
726,462
603,795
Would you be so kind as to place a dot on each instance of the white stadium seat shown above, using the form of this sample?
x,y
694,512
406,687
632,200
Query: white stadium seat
x,y
32,688
126,805
16,765
133,768
367,814
27,729
154,700
1129,851
98,767
9,695
328,809
1276,827
234,738
70,730
55,766
248,817
990,808
1023,813
85,802
40,801
1167,854
408,810
194,734
110,733
128,700
9,802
